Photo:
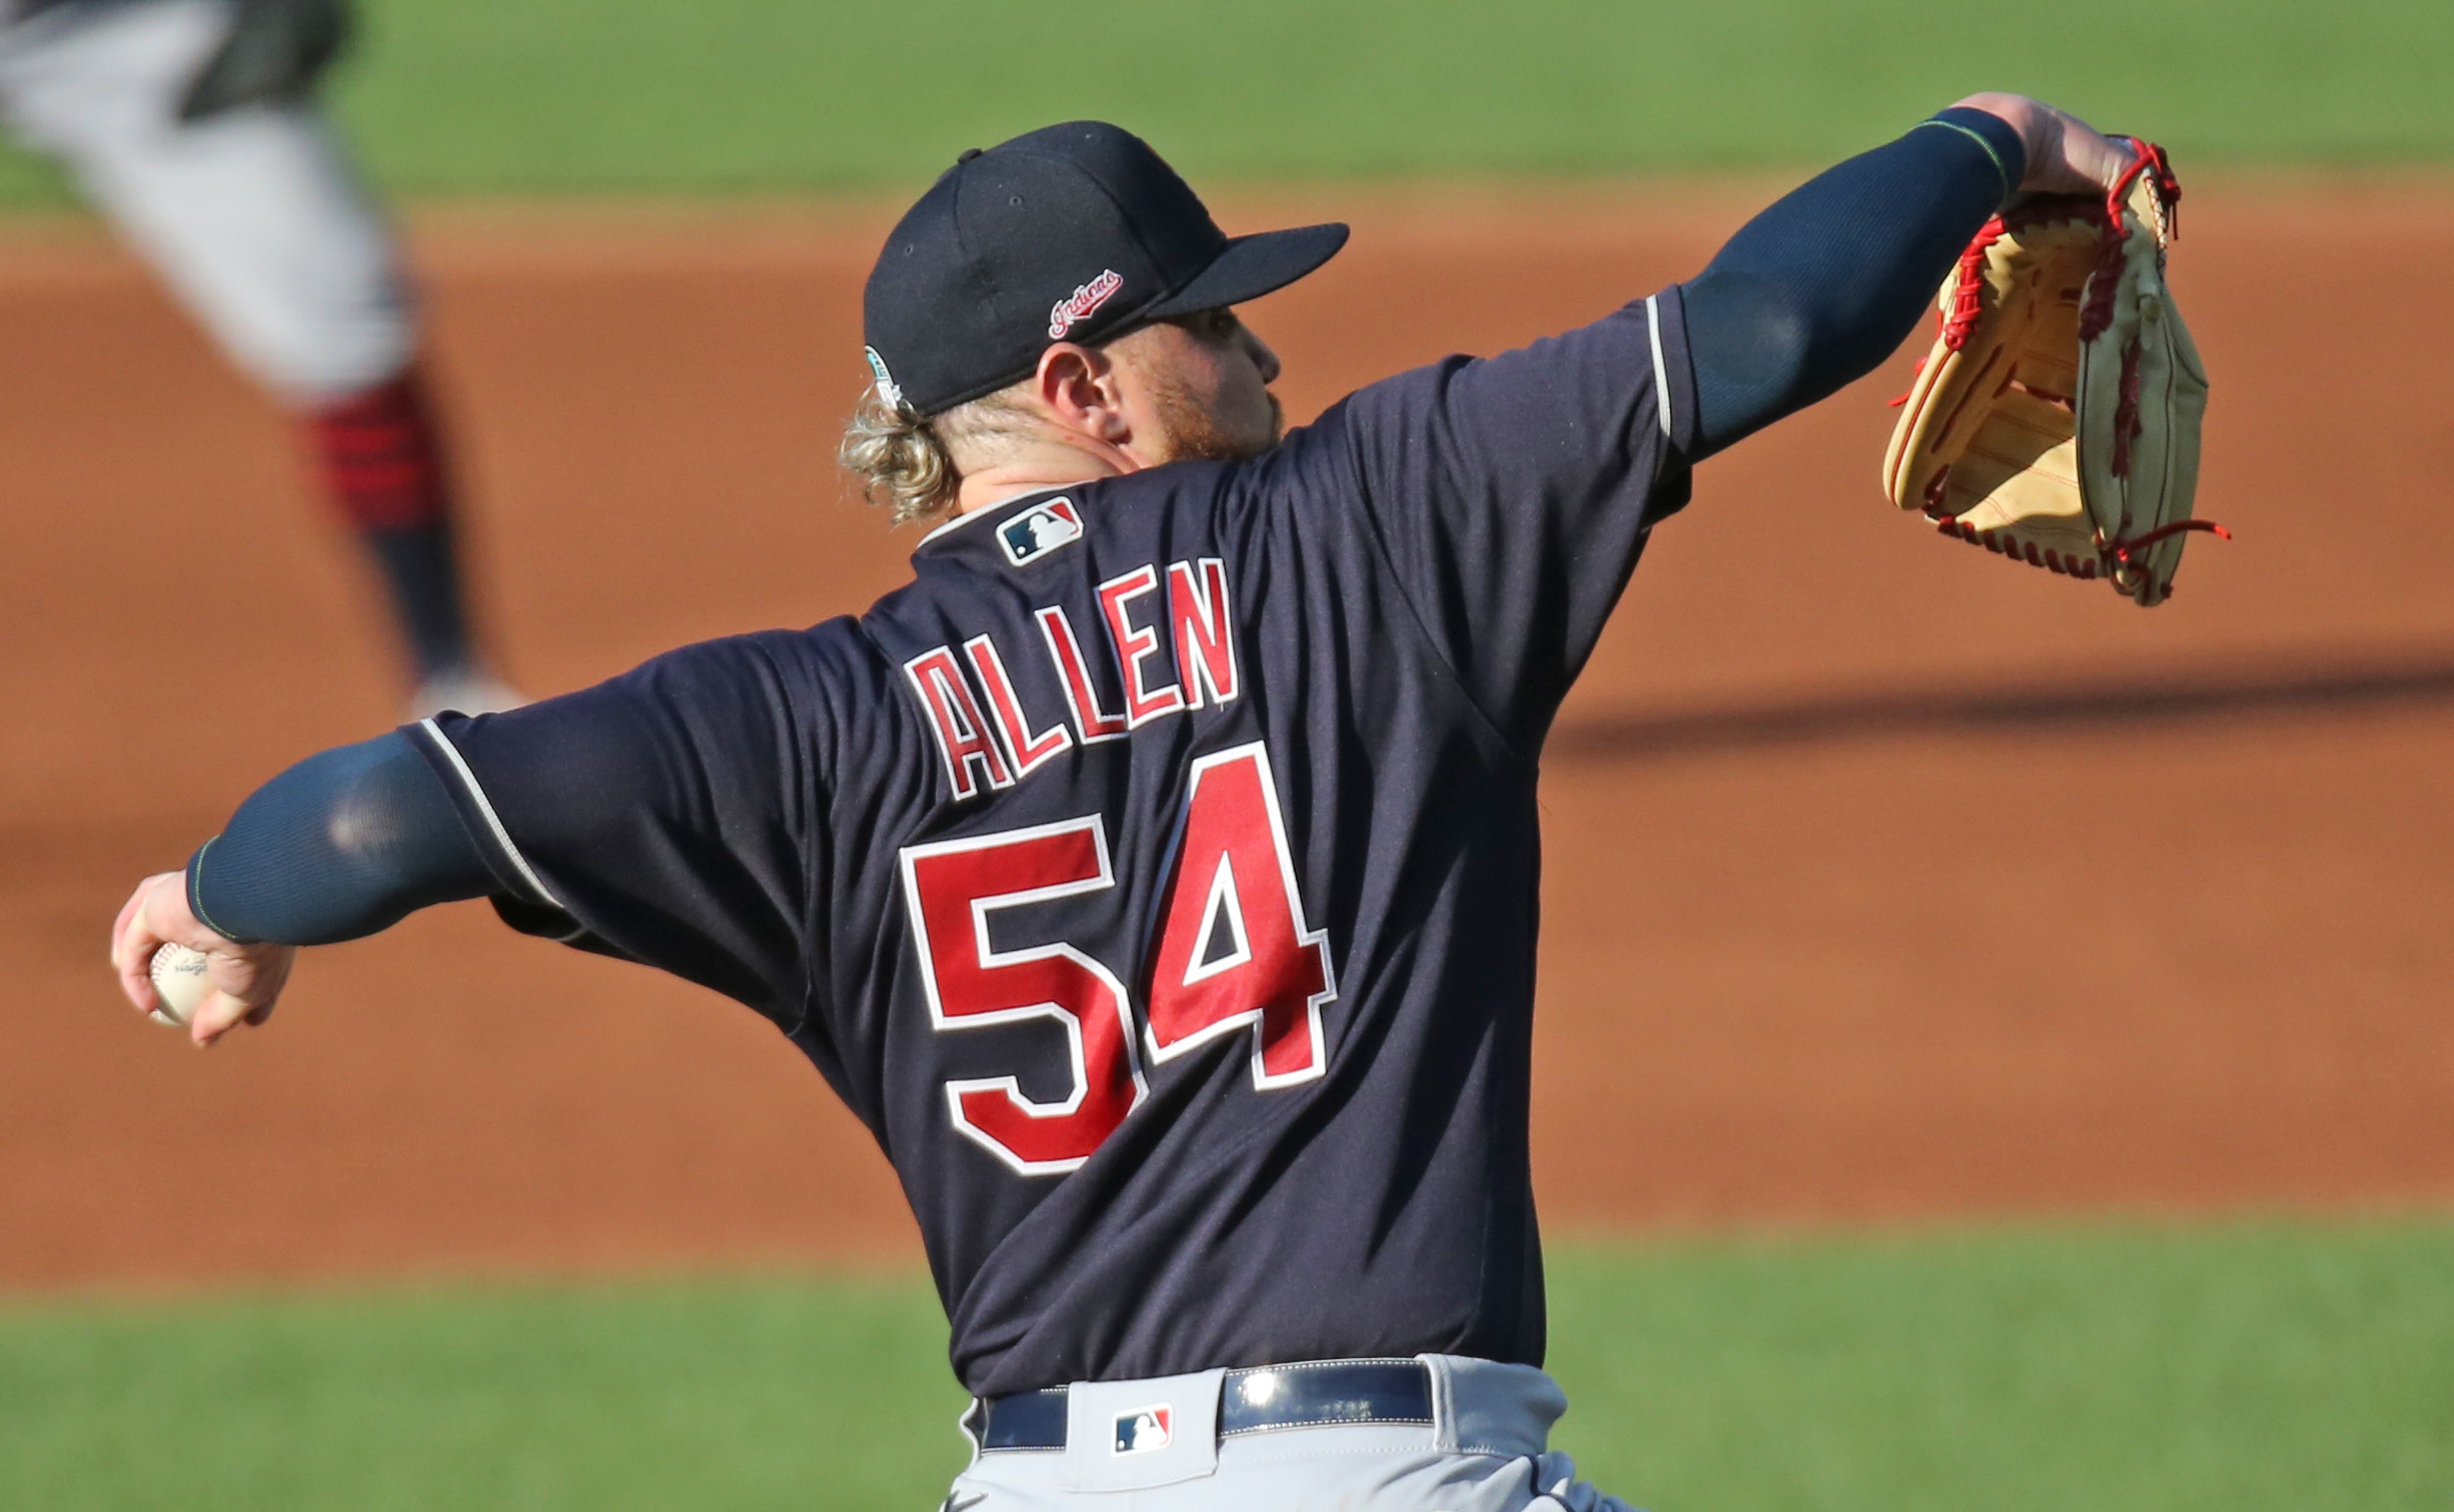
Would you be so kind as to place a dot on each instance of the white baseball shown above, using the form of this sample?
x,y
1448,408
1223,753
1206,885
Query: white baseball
x,y
179,981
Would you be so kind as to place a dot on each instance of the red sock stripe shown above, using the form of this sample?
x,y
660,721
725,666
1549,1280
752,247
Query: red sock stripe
x,y
381,459
360,440
392,475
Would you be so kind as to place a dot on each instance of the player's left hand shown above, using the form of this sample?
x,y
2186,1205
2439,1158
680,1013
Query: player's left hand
x,y
247,980
2065,155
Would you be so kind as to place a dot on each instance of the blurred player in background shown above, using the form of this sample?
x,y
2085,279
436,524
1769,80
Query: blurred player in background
x,y
192,125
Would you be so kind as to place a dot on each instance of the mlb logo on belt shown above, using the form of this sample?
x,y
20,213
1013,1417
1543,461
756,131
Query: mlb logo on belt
x,y
1145,1430
1038,531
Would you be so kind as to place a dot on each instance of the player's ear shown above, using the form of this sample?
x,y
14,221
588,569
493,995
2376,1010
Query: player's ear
x,y
1080,387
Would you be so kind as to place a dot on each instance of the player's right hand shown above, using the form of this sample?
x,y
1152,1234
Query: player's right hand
x,y
2065,155
247,980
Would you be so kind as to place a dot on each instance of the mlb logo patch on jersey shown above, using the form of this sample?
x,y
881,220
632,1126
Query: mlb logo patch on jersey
x,y
1145,1431
1038,531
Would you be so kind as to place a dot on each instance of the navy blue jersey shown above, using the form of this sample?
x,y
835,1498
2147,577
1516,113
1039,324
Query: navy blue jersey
x,y
1156,876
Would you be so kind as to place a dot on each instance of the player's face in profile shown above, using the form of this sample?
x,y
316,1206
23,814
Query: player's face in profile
x,y
1205,380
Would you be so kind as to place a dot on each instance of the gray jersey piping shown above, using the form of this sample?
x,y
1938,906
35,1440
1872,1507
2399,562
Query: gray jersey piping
x,y
494,821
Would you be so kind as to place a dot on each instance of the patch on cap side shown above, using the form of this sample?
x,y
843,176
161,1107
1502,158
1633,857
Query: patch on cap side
x,y
1083,303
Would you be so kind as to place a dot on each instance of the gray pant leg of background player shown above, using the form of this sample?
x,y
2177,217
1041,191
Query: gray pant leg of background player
x,y
1486,1450
256,219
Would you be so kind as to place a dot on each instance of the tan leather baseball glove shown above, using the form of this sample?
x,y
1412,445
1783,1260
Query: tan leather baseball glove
x,y
2056,419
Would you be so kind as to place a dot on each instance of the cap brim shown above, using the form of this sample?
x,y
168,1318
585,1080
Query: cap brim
x,y
1253,266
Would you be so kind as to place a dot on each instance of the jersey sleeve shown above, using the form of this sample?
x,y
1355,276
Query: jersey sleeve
x,y
1511,495
665,816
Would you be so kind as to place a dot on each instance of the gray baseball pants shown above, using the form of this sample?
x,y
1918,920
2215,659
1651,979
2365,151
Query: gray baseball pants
x,y
1486,1450
255,217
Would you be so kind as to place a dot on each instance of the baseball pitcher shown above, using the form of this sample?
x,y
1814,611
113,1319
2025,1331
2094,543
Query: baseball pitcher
x,y
1156,874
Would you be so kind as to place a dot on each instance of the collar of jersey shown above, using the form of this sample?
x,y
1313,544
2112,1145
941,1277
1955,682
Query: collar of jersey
x,y
986,509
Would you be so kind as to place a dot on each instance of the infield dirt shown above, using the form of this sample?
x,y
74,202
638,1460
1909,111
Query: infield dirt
x,y
1885,880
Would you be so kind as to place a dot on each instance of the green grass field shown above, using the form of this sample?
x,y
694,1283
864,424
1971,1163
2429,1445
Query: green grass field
x,y
463,97
2308,1368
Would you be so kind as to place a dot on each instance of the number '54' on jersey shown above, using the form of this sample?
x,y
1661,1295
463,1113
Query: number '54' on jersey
x,y
1233,955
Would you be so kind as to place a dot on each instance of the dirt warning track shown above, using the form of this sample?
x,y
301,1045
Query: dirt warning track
x,y
1884,880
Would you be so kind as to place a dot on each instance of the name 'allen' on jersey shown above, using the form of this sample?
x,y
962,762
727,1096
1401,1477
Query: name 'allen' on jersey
x,y
984,734
1234,952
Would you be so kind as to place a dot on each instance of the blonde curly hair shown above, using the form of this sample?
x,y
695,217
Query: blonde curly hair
x,y
905,464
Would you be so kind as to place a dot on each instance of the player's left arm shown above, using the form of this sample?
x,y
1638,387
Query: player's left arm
x,y
1511,496
1820,288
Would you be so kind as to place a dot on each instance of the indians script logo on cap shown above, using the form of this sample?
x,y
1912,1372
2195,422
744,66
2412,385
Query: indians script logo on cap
x,y
1038,531
1066,314
887,389
1145,1430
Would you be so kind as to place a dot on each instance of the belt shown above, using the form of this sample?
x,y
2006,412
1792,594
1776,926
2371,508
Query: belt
x,y
1311,1395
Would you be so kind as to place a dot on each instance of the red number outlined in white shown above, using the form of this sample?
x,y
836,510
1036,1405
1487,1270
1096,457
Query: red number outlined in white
x,y
1235,867
956,885
1234,871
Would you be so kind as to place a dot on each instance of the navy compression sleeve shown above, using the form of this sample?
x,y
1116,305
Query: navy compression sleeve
x,y
1816,290
340,845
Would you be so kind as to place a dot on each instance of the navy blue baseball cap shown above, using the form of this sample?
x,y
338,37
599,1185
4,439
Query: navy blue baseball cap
x,y
1074,233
